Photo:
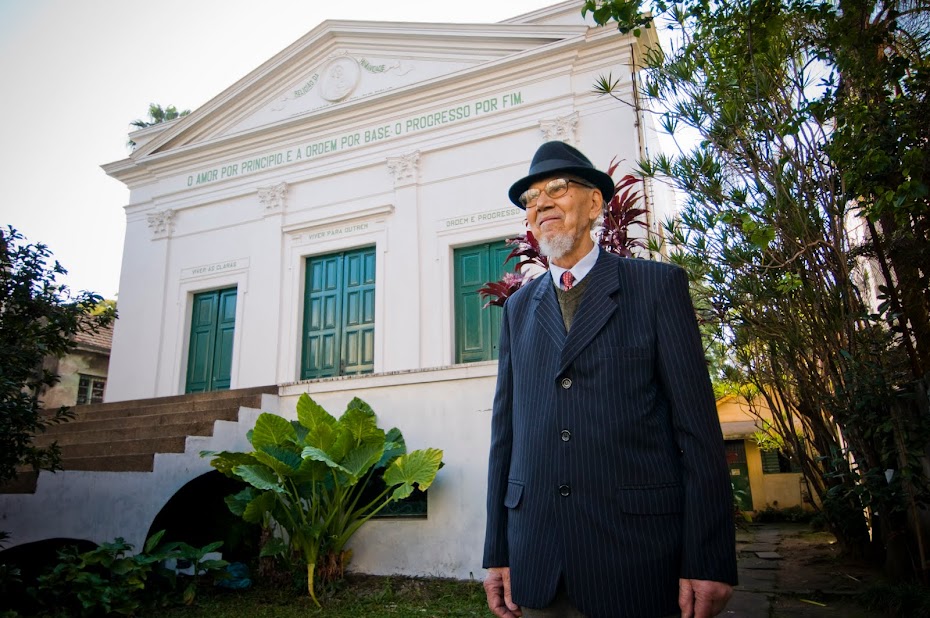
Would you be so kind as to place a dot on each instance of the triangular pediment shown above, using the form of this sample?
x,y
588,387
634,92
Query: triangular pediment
x,y
341,63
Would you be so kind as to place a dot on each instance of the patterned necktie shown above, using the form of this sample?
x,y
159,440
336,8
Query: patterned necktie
x,y
568,280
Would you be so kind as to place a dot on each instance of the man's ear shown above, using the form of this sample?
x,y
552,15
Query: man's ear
x,y
597,204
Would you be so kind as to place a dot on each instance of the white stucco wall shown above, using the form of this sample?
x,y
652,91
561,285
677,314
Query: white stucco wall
x,y
415,194
445,408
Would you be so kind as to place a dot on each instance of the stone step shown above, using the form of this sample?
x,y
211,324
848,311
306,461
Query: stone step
x,y
102,433
134,422
189,397
149,407
124,436
143,446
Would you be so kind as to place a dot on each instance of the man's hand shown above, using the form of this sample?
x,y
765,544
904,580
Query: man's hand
x,y
700,598
497,587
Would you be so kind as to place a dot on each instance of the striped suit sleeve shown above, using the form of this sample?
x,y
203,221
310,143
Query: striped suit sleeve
x,y
709,544
496,553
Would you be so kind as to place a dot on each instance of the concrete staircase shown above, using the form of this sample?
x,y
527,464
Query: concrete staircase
x,y
124,436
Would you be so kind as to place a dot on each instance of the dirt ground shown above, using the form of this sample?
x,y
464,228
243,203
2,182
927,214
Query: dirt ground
x,y
814,579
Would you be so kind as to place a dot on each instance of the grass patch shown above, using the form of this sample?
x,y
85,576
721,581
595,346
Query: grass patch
x,y
358,595
793,514
896,599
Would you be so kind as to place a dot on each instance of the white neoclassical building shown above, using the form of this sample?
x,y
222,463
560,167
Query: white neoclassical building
x,y
324,215
323,224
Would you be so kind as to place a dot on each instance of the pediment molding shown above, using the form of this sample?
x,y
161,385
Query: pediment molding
x,y
440,51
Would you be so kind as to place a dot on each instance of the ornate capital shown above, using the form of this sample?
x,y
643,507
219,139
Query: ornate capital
x,y
161,223
273,198
562,128
405,168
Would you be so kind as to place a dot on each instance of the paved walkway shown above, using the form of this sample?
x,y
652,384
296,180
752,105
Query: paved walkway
x,y
757,566
765,591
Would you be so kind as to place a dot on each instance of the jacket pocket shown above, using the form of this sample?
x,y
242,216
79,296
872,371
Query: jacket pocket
x,y
514,494
651,500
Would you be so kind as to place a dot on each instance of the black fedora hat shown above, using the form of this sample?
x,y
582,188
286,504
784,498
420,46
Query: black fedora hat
x,y
554,157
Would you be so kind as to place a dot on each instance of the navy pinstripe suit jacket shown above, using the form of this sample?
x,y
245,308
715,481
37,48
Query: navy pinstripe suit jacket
x,y
607,465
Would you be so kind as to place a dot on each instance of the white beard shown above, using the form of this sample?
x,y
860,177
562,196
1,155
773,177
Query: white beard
x,y
556,245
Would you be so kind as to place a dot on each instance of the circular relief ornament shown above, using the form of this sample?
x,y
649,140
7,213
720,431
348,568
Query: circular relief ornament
x,y
339,78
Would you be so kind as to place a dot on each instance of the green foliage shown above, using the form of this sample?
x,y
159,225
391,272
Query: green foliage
x,y
359,596
807,185
307,479
157,115
793,514
740,517
896,599
110,580
38,319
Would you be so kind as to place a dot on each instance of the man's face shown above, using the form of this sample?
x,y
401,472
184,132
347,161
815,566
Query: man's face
x,y
562,225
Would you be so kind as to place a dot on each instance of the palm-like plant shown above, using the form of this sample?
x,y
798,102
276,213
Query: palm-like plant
x,y
157,115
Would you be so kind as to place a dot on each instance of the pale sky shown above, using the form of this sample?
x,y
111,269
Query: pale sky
x,y
75,73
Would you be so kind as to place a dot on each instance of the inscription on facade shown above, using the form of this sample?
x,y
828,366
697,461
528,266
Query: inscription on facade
x,y
215,268
336,231
378,130
480,217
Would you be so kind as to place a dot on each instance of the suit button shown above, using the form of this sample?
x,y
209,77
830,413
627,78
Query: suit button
x,y
566,435
566,383
565,490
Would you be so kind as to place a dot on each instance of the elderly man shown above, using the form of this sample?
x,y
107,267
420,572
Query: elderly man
x,y
608,490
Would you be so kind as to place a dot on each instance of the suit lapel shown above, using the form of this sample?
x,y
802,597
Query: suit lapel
x,y
595,310
548,314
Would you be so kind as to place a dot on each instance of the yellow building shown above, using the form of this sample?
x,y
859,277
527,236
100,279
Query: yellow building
x,y
766,478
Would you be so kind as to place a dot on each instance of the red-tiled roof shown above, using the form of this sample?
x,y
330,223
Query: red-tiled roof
x,y
101,340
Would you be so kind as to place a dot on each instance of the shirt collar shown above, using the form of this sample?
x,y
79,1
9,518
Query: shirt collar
x,y
579,270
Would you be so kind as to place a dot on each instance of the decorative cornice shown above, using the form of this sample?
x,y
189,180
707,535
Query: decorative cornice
x,y
405,168
161,223
562,128
273,198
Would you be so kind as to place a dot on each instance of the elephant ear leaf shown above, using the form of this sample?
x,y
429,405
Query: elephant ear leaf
x,y
320,424
238,502
394,446
259,477
255,510
284,461
360,422
315,454
272,430
416,468
360,459
226,462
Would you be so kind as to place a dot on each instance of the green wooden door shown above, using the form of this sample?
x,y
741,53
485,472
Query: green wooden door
x,y
339,315
213,324
477,328
739,473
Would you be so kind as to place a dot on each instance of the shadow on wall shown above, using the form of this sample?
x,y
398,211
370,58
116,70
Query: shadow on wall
x,y
197,515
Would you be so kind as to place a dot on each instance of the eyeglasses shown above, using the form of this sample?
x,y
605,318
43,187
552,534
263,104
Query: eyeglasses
x,y
555,188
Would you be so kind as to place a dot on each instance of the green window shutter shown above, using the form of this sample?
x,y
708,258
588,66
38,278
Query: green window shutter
x,y
225,329
209,359
339,315
322,308
359,313
477,328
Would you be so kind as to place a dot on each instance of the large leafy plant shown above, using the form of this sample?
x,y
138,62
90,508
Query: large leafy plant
x,y
111,580
307,479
